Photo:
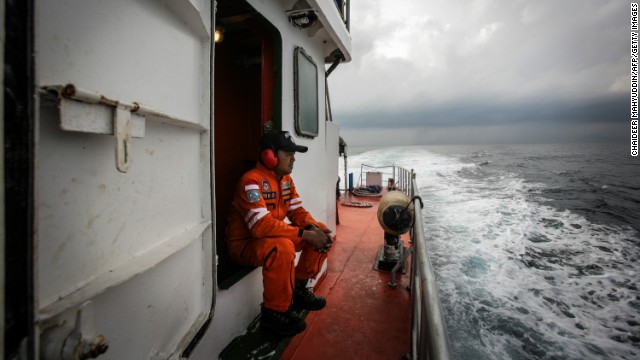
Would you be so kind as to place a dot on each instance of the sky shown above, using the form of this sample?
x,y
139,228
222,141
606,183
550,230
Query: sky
x,y
485,71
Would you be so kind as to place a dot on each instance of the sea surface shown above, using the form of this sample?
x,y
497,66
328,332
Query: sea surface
x,y
536,248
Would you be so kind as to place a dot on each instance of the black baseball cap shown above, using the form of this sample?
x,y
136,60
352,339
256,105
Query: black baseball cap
x,y
281,141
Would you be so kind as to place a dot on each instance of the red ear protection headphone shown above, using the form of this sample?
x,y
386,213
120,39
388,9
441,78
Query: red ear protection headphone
x,y
269,158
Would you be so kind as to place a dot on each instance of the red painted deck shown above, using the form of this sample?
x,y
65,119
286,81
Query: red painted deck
x,y
364,318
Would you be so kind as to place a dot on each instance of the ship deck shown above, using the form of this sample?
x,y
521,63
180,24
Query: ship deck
x,y
364,317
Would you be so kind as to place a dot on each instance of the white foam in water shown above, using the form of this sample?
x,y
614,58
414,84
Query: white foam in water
x,y
517,277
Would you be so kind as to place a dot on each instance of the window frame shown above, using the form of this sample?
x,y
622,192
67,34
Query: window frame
x,y
299,84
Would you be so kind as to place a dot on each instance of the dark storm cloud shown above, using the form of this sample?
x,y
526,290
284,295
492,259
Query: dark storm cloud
x,y
474,113
425,66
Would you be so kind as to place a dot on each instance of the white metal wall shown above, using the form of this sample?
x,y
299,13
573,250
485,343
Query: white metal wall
x,y
124,255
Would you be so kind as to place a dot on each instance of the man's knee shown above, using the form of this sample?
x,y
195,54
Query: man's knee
x,y
282,251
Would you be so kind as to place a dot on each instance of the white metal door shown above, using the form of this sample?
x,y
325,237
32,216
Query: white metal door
x,y
123,189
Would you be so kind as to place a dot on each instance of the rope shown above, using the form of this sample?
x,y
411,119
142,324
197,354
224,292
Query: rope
x,y
413,199
366,194
362,204
368,191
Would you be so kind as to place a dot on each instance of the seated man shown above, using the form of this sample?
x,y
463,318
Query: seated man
x,y
257,235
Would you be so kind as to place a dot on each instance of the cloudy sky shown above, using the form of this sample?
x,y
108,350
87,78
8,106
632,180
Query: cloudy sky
x,y
484,71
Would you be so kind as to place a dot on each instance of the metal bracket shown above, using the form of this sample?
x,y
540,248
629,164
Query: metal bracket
x,y
83,110
122,131
77,343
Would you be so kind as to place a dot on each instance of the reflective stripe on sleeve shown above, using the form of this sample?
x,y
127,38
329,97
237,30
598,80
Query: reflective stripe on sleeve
x,y
254,215
294,204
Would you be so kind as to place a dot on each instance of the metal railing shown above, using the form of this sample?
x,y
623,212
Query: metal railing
x,y
403,181
400,178
344,7
429,336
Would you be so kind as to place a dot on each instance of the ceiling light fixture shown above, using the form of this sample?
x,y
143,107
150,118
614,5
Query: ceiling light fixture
x,y
302,19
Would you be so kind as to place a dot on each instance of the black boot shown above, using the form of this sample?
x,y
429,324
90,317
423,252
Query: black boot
x,y
303,297
284,324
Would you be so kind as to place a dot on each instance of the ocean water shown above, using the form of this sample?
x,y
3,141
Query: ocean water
x,y
536,248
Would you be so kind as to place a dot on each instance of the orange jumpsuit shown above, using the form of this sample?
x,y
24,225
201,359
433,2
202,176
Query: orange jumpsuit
x,y
257,234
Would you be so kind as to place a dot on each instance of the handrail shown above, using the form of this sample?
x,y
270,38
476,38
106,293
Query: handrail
x,y
429,336
400,176
344,7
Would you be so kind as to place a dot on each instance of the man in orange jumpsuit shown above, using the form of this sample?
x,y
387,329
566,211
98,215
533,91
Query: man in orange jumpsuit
x,y
257,235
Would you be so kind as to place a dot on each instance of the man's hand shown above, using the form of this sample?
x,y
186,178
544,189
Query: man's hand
x,y
318,238
327,246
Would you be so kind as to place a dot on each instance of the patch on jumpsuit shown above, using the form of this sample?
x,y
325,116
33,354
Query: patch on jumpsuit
x,y
253,196
265,185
